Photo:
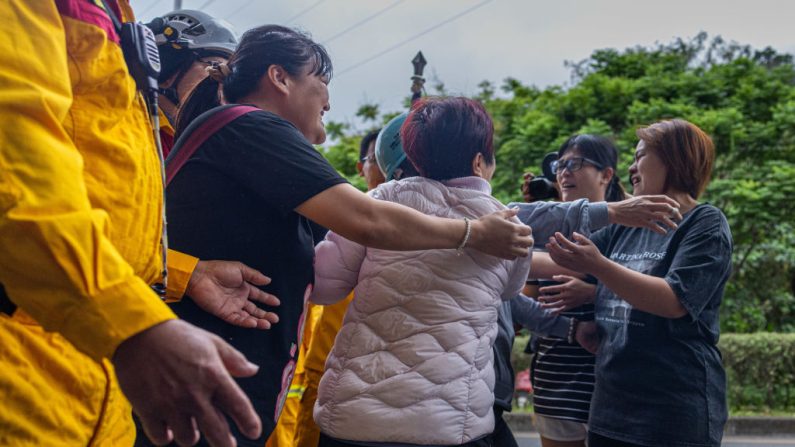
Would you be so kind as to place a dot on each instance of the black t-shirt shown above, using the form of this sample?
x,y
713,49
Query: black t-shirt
x,y
660,381
234,200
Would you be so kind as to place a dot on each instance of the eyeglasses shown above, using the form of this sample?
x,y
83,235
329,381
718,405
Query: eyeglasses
x,y
573,164
370,158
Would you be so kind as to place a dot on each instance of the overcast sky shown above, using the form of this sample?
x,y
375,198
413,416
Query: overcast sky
x,y
467,41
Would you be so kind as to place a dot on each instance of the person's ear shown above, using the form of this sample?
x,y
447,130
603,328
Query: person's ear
x,y
360,168
478,165
607,175
278,77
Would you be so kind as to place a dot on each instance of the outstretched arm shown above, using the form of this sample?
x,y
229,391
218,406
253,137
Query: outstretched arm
x,y
529,314
543,267
570,293
229,290
644,292
385,225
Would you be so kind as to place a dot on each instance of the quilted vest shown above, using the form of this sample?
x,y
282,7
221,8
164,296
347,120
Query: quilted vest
x,y
413,360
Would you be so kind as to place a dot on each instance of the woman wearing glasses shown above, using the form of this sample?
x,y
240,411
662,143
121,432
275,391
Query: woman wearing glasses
x,y
563,372
367,166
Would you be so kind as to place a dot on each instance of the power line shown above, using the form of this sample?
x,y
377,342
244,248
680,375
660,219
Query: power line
x,y
363,21
313,6
206,4
147,9
420,34
242,7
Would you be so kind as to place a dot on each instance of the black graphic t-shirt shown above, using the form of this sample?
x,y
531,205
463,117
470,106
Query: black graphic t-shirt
x,y
660,381
235,200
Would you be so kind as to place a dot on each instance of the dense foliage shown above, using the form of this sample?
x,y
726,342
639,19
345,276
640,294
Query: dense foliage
x,y
744,98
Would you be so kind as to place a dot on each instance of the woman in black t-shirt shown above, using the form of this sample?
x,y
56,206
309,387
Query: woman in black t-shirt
x,y
659,377
248,192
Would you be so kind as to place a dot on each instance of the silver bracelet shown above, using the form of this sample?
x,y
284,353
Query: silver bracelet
x,y
468,231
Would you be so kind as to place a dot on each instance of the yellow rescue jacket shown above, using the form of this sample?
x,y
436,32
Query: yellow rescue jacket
x,y
80,224
80,187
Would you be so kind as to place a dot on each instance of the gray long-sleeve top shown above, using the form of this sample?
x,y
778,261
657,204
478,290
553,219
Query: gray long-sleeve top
x,y
545,218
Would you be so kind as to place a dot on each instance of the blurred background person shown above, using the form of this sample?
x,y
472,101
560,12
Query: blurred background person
x,y
367,166
389,151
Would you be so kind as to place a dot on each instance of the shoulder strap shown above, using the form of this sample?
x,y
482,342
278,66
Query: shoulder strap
x,y
202,128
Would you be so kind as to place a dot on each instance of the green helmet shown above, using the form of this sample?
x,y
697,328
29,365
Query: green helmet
x,y
388,148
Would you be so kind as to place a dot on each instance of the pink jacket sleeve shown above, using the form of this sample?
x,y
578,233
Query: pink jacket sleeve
x,y
337,265
518,277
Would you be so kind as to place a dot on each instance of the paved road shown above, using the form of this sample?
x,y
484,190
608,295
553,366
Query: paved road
x,y
531,440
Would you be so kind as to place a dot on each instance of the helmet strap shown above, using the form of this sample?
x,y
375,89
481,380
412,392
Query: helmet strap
x,y
171,92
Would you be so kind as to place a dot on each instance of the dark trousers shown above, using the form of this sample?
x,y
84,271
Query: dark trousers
x,y
325,441
502,436
595,440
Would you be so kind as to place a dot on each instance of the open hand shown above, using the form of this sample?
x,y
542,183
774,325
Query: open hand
x,y
571,293
582,256
587,336
496,235
178,379
228,290
652,212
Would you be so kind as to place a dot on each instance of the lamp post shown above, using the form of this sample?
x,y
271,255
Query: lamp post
x,y
418,81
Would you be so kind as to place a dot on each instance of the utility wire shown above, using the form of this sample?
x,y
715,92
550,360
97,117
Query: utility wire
x,y
147,9
401,43
242,7
206,4
363,21
300,14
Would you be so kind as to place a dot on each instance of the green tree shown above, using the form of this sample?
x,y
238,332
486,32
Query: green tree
x,y
743,97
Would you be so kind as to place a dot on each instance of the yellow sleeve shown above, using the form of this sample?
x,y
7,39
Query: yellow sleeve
x,y
57,262
328,324
180,269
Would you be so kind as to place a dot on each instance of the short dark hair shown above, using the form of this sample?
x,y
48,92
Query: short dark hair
x,y
259,48
367,140
602,151
686,151
441,136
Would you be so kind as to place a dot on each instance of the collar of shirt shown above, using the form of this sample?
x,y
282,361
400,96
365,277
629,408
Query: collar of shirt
x,y
471,182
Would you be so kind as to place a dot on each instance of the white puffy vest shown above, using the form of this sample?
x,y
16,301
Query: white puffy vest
x,y
413,360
